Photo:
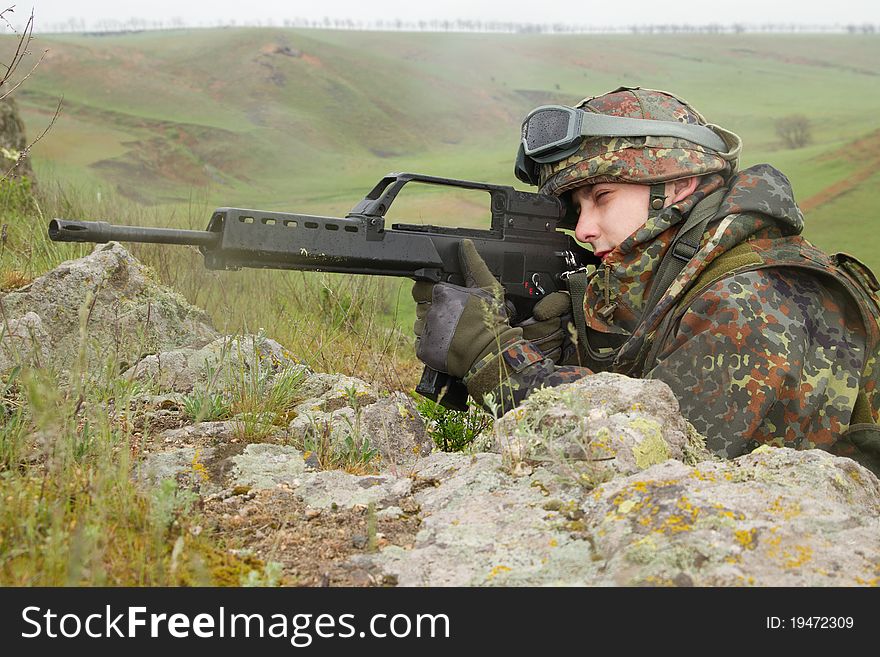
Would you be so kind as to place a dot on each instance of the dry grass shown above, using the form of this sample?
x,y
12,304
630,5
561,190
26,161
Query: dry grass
x,y
70,512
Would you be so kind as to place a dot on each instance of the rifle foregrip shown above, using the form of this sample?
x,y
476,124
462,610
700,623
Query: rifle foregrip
x,y
444,389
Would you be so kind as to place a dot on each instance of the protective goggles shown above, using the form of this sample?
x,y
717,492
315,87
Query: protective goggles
x,y
551,133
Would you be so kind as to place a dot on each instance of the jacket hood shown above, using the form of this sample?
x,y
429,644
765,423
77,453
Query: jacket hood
x,y
758,202
766,191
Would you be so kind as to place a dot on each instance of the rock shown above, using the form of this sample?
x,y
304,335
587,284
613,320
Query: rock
x,y
395,428
199,434
775,517
391,425
596,428
325,393
482,527
265,466
25,341
333,488
392,513
184,465
217,365
123,310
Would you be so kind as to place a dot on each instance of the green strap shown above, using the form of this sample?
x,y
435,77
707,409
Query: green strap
x,y
577,287
684,247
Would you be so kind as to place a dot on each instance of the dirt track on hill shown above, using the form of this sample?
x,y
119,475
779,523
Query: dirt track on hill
x,y
865,151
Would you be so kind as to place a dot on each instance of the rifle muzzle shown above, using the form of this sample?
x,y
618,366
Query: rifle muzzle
x,y
101,232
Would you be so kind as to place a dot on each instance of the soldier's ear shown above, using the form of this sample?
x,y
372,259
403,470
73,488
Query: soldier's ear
x,y
681,189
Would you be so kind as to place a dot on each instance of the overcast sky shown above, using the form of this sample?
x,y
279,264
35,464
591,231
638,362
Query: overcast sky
x,y
581,12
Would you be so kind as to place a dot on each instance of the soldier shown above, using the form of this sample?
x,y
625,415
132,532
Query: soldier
x,y
704,283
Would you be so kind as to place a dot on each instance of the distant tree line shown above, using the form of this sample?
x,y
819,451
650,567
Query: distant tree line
x,y
459,25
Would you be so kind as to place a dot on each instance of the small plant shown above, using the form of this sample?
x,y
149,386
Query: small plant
x,y
357,453
270,577
13,420
168,503
202,406
352,452
453,431
284,394
261,399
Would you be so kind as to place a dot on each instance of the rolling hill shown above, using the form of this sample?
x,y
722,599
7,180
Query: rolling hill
x,y
308,120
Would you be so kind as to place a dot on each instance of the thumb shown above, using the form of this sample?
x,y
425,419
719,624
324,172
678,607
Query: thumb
x,y
476,272
554,304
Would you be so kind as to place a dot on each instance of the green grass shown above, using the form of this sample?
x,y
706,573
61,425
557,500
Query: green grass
x,y
849,223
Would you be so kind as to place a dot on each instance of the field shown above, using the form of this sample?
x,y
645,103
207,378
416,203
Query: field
x,y
158,128
309,119
171,124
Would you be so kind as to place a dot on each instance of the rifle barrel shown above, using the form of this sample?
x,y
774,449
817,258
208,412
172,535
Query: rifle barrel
x,y
64,230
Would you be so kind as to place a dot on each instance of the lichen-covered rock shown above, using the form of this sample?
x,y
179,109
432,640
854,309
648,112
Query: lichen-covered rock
x,y
775,517
482,527
186,466
264,466
391,426
395,428
596,428
215,471
106,306
199,433
334,488
326,393
220,364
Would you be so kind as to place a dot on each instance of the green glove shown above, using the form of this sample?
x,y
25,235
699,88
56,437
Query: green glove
x,y
460,325
546,328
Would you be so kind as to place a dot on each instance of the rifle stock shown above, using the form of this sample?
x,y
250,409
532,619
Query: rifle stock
x,y
522,247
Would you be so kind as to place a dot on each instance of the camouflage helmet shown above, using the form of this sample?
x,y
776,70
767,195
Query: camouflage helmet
x,y
639,159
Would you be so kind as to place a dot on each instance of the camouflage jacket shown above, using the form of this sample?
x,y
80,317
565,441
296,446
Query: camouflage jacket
x,y
774,350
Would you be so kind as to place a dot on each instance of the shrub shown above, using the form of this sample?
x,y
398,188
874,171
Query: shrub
x,y
794,130
453,431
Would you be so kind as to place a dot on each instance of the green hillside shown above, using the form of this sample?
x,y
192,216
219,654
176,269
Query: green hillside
x,y
308,120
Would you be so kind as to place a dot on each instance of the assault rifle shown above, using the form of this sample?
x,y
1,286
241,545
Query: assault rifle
x,y
522,248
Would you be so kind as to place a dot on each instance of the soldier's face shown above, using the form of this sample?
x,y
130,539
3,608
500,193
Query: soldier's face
x,y
608,213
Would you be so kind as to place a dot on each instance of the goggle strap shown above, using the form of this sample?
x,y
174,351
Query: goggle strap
x,y
602,125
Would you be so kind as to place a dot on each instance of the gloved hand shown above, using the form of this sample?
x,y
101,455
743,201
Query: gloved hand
x,y
546,328
456,325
